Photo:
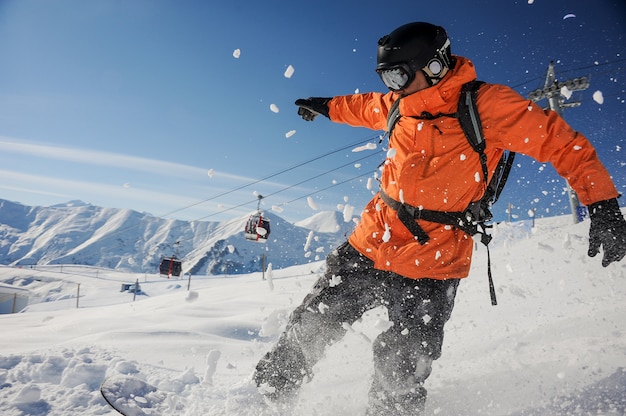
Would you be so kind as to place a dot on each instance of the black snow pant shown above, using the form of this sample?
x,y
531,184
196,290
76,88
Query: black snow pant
x,y
403,354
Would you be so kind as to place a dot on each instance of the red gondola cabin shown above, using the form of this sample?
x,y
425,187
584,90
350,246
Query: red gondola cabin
x,y
257,228
170,266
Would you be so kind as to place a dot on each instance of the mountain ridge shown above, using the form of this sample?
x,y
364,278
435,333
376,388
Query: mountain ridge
x,y
123,239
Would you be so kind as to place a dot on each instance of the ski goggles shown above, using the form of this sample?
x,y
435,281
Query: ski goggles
x,y
396,78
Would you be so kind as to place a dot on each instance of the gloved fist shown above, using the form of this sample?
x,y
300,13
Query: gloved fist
x,y
311,107
608,229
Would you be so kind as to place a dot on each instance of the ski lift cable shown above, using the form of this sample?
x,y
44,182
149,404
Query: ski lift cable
x,y
280,172
293,200
328,187
322,174
297,184
594,66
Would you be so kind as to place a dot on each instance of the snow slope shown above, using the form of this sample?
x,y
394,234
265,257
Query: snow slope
x,y
555,344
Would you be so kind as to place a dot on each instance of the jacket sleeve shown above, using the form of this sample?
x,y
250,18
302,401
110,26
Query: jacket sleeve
x,y
517,124
367,110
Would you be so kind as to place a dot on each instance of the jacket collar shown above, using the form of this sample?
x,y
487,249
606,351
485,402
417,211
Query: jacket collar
x,y
442,97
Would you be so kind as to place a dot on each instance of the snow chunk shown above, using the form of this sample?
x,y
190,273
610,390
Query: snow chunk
x,y
276,208
348,211
211,172
211,360
273,324
368,146
598,97
290,133
569,16
269,277
477,176
274,108
391,153
322,307
335,281
237,53
289,71
387,233
311,203
309,238
566,92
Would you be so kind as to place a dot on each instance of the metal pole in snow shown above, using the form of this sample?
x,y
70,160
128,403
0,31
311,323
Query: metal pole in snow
x,y
189,282
263,265
136,288
14,302
77,294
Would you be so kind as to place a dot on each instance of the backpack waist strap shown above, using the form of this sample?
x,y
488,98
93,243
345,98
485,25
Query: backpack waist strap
x,y
407,214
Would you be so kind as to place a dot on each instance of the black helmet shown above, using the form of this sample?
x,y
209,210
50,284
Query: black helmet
x,y
410,48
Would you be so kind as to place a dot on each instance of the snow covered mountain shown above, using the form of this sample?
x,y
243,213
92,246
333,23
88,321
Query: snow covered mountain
x,y
122,239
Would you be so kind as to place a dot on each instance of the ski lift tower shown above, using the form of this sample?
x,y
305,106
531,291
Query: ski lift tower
x,y
552,92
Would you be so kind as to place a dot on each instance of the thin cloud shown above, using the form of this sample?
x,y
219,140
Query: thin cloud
x,y
109,159
101,194
133,163
33,191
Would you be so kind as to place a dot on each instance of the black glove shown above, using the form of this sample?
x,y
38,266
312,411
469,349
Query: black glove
x,y
608,229
311,107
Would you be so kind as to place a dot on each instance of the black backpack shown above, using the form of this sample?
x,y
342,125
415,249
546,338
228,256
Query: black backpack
x,y
473,219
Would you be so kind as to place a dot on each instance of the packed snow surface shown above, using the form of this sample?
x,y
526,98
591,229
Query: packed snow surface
x,y
554,345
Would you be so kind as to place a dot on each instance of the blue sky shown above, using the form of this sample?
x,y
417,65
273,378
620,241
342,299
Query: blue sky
x,y
142,104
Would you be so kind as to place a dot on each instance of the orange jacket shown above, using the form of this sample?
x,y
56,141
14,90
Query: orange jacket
x,y
431,164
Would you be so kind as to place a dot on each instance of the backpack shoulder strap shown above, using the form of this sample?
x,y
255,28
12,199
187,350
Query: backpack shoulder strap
x,y
393,116
468,116
469,119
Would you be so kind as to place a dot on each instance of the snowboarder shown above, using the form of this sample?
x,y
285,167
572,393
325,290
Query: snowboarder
x,y
431,166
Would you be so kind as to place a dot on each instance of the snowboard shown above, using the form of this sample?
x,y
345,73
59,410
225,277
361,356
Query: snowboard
x,y
132,396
